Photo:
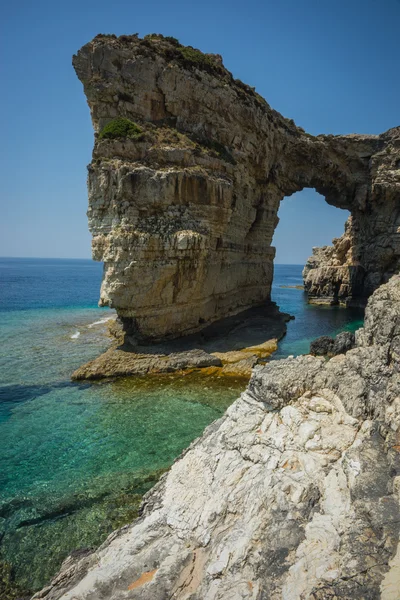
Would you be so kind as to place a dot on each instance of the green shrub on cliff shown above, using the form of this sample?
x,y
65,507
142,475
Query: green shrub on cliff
x,y
99,36
173,40
196,57
121,128
161,37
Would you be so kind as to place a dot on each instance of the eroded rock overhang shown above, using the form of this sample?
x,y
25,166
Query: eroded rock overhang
x,y
183,214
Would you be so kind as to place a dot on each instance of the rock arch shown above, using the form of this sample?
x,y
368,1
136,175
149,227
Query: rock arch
x,y
183,214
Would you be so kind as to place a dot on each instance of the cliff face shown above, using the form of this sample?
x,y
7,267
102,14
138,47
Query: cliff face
x,y
294,493
183,208
333,274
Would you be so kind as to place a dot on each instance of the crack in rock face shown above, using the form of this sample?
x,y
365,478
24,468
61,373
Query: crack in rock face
x,y
189,168
293,494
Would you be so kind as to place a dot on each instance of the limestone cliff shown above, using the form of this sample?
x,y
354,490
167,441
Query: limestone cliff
x,y
332,272
189,168
294,493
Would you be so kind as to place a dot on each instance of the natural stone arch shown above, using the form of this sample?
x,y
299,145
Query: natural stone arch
x,y
183,215
306,221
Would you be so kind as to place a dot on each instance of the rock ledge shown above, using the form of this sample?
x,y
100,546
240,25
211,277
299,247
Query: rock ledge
x,y
189,168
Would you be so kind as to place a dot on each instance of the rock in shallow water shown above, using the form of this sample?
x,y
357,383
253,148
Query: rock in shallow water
x,y
119,363
294,493
327,346
234,345
322,346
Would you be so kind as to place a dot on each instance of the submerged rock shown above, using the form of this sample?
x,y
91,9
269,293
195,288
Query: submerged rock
x,y
294,493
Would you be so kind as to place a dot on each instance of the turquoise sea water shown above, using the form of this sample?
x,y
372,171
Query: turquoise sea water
x,y
75,459
311,321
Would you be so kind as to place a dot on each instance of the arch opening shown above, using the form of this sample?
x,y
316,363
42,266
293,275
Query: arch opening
x,y
307,225
306,220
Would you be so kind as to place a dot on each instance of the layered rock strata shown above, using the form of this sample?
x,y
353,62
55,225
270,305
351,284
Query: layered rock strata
x,y
332,272
294,493
184,204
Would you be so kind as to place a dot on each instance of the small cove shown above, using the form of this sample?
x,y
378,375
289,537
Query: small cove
x,y
75,459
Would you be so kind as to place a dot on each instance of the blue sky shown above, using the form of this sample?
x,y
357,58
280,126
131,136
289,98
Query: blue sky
x,y
331,66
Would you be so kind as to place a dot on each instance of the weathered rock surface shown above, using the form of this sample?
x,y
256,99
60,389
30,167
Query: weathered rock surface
x,y
329,274
183,213
118,363
293,494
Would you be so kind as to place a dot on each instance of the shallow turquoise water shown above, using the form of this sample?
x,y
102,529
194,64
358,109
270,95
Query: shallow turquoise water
x,y
74,459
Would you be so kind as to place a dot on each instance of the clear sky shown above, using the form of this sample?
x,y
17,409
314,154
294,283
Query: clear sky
x,y
331,66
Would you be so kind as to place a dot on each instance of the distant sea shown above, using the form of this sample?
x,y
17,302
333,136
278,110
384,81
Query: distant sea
x,y
76,458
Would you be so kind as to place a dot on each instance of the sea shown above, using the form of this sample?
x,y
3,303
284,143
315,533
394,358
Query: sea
x,y
75,459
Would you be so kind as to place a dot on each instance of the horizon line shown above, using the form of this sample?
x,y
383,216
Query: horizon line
x,y
90,258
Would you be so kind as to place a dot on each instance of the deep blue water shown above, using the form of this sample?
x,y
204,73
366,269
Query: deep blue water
x,y
74,458
31,283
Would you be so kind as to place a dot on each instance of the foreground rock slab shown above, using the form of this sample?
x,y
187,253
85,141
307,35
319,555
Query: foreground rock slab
x,y
119,363
293,494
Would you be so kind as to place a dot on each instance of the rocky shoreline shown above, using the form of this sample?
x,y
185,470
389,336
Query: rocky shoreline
x,y
294,493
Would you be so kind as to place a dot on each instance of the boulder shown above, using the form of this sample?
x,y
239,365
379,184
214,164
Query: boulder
x,y
328,346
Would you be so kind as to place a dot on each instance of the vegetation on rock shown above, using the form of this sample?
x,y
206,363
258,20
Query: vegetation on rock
x,y
196,57
170,47
173,40
160,36
121,128
105,35
216,149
